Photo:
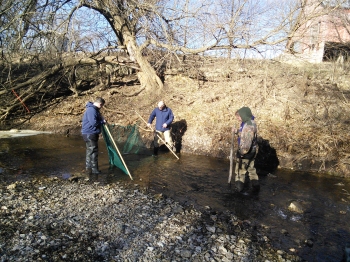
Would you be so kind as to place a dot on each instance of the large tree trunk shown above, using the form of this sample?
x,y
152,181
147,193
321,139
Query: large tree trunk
x,y
147,76
118,16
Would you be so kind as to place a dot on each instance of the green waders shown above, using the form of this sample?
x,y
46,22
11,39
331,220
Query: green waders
x,y
246,167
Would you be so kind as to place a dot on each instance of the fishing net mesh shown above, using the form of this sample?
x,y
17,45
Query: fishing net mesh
x,y
127,139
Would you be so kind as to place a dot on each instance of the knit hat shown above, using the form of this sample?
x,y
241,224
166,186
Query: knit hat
x,y
246,114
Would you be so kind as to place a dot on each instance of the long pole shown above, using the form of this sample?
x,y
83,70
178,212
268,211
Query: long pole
x,y
231,157
158,136
109,133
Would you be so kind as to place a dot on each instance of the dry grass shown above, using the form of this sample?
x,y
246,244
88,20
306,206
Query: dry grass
x,y
302,110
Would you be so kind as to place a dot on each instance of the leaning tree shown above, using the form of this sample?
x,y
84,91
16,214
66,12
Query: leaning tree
x,y
46,44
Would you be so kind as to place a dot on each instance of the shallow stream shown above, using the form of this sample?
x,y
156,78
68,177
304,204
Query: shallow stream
x,y
318,234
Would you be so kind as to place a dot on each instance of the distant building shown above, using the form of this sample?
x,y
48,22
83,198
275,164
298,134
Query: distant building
x,y
326,34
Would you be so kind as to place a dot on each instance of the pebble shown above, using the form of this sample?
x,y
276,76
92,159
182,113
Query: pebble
x,y
54,220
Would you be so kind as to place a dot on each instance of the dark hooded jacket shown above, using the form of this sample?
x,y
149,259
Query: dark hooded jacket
x,y
247,139
92,120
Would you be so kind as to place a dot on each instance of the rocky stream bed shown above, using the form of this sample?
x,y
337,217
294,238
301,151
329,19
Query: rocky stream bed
x,y
82,220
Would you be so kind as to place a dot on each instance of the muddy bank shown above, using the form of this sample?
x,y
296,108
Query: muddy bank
x,y
301,110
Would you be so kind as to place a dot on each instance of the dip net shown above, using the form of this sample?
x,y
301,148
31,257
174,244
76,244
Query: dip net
x,y
122,141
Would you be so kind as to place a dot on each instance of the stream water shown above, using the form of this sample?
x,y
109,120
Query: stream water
x,y
318,234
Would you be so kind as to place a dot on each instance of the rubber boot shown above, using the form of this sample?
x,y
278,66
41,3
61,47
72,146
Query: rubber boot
x,y
89,150
255,185
94,170
94,164
239,185
155,151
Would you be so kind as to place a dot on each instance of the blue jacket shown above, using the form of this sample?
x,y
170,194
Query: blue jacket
x,y
92,120
162,116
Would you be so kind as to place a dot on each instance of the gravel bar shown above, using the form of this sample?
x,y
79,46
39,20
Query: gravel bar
x,y
81,220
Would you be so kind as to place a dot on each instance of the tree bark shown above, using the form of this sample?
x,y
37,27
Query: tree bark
x,y
124,28
147,75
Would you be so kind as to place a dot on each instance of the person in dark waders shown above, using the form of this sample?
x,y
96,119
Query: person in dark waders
x,y
247,149
91,129
164,117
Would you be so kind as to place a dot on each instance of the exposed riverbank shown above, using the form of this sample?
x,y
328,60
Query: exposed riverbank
x,y
79,220
302,110
198,183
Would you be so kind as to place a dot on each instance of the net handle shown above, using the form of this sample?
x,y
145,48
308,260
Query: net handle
x,y
109,133
158,136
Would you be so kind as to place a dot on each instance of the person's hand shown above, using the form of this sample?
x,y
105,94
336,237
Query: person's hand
x,y
165,125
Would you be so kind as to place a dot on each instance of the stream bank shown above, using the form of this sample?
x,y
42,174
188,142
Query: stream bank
x,y
318,233
302,110
53,220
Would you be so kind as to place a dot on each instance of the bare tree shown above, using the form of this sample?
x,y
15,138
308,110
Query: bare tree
x,y
70,34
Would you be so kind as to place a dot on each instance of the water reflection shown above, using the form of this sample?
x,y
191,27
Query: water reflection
x,y
318,234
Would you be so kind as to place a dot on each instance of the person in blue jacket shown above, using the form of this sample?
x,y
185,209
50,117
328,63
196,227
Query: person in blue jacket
x,y
91,129
164,117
